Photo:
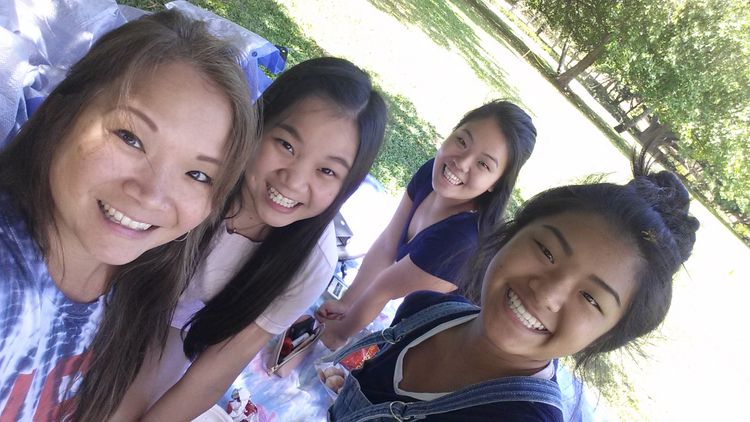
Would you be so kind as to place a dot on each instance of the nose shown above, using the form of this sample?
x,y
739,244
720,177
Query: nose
x,y
551,292
294,178
149,186
463,162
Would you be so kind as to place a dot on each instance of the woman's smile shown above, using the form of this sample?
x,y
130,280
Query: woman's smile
x,y
522,314
277,198
451,177
115,216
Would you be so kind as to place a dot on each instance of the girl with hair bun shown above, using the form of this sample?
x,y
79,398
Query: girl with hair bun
x,y
581,270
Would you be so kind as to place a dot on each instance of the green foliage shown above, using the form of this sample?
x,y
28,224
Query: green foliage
x,y
689,60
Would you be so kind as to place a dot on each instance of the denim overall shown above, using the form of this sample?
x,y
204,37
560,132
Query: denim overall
x,y
352,405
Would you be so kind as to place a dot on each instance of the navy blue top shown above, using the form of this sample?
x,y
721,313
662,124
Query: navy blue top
x,y
376,376
444,247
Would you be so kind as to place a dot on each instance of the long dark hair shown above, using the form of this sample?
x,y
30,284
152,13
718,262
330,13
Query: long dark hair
x,y
142,294
273,265
520,134
651,210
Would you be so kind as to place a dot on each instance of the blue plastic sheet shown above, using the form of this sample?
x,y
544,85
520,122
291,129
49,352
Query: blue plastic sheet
x,y
41,39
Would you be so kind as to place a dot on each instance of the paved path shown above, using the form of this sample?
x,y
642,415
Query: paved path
x,y
705,330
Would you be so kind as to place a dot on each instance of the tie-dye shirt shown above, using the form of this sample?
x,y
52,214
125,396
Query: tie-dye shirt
x,y
43,334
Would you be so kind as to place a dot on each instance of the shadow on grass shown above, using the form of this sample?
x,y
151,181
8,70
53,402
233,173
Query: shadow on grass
x,y
444,21
410,141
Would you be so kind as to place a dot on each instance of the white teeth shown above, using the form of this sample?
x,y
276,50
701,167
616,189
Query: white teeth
x,y
280,199
523,315
122,219
450,177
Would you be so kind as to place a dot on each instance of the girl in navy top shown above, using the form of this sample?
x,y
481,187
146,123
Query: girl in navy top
x,y
461,191
581,270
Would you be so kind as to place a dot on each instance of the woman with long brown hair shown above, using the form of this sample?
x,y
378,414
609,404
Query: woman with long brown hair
x,y
106,196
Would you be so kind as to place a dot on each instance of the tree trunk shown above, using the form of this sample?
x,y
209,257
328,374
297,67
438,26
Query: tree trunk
x,y
638,102
562,56
622,127
564,79
540,29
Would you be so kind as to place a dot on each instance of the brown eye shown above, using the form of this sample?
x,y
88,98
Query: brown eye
x,y
590,299
546,252
286,145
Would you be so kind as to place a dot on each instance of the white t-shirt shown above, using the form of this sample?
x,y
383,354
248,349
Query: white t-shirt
x,y
230,251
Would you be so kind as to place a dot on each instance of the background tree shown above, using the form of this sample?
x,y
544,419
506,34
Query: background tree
x,y
688,61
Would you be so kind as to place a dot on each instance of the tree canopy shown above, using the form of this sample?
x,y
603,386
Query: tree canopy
x,y
689,62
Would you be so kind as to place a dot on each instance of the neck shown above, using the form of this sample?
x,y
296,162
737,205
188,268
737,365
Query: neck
x,y
79,276
485,359
452,206
243,220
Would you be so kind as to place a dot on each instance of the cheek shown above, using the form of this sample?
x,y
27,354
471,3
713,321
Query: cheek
x,y
193,212
584,329
487,182
327,194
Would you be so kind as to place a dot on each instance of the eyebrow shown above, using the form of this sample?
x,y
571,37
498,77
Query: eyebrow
x,y
150,123
563,242
606,287
468,132
295,134
491,158
209,159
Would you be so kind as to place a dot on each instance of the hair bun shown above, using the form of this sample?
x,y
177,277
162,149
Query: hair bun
x,y
667,195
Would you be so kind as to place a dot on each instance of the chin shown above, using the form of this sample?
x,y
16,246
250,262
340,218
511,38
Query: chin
x,y
117,258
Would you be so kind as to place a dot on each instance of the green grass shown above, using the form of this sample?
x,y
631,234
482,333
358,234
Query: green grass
x,y
410,140
439,20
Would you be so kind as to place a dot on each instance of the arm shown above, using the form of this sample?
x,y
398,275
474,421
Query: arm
x,y
157,375
389,284
215,369
209,376
381,255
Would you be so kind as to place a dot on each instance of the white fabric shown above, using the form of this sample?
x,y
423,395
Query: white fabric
x,y
398,374
230,251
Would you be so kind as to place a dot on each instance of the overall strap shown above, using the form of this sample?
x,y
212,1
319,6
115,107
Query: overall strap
x,y
394,334
509,389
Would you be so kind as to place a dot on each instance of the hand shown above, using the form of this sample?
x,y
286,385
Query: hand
x,y
333,378
332,310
